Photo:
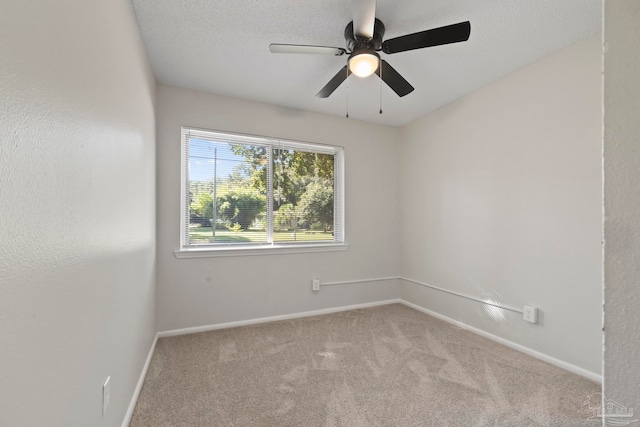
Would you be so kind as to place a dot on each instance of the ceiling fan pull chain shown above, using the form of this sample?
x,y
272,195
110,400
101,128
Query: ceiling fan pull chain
x,y
380,65
347,93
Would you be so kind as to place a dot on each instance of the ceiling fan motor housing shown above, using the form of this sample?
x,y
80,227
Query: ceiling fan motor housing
x,y
357,44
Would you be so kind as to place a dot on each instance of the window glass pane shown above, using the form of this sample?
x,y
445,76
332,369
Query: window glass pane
x,y
303,196
251,190
227,187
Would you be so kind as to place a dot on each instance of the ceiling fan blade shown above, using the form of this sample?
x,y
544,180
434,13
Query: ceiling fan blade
x,y
334,82
301,48
435,37
393,79
364,16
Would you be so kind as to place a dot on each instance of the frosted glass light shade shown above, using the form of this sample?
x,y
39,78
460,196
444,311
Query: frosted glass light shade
x,y
364,64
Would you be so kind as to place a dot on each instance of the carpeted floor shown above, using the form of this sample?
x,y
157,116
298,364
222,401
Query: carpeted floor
x,y
381,366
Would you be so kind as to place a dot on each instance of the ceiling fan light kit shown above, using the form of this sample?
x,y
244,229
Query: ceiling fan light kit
x,y
364,63
365,42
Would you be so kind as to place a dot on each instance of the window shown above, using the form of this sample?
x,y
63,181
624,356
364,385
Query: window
x,y
248,192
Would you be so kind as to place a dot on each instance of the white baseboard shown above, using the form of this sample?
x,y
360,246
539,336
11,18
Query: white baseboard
x,y
138,389
526,350
205,328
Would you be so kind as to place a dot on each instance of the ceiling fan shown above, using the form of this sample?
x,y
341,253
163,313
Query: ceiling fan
x,y
364,40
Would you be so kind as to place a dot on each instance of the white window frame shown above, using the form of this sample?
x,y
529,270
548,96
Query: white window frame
x,y
188,250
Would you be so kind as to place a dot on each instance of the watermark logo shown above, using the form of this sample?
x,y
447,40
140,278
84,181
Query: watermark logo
x,y
613,413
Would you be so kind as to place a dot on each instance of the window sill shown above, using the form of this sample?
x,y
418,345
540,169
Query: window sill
x,y
227,251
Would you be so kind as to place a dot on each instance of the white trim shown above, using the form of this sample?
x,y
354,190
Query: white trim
x,y
459,294
206,328
138,389
262,140
466,296
348,282
209,252
526,350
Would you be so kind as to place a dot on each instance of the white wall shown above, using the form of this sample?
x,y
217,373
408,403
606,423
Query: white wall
x,y
196,292
622,202
498,195
77,209
501,197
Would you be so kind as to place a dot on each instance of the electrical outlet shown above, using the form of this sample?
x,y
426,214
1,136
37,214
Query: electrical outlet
x,y
106,395
315,285
530,314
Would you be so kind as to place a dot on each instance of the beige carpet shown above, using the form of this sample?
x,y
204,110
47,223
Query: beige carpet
x,y
382,366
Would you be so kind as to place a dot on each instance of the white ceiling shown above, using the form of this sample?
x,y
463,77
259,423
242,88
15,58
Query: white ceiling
x,y
223,47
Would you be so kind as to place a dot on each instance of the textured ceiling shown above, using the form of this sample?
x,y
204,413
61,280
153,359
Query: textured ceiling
x,y
223,47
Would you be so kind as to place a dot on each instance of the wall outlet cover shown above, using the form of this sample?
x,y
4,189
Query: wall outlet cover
x,y
530,314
